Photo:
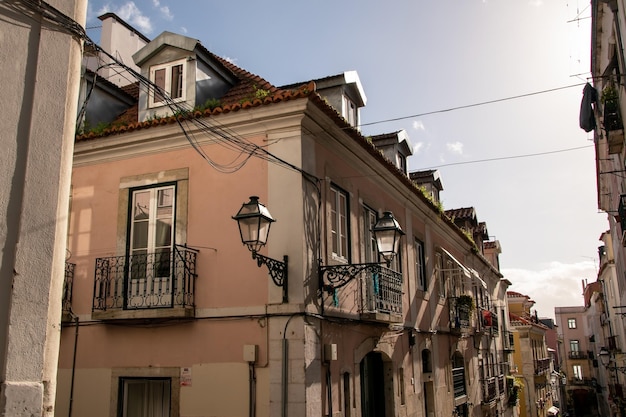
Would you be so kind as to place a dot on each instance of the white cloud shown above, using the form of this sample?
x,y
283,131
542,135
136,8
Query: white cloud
x,y
165,11
536,3
418,125
184,30
417,147
557,285
456,147
131,14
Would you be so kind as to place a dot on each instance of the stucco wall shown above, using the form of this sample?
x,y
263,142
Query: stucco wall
x,y
40,74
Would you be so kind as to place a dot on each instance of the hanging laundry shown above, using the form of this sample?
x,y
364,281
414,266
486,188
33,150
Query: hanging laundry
x,y
587,119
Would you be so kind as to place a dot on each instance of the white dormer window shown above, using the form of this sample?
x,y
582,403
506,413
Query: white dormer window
x,y
350,111
170,78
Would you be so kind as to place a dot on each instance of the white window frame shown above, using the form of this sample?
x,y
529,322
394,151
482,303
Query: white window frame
x,y
577,371
571,323
370,217
350,111
339,223
420,265
153,102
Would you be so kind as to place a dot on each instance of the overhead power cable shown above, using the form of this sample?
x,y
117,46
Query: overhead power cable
x,y
509,157
467,106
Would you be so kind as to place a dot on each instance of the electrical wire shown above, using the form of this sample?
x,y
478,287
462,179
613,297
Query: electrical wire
x,y
467,106
510,157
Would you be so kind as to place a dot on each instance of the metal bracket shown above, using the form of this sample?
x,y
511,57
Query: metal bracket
x,y
277,270
339,275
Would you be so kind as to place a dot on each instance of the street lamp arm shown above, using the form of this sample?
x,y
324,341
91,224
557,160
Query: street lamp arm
x,y
277,270
339,275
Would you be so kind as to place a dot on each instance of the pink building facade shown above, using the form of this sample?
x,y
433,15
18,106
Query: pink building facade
x,y
170,316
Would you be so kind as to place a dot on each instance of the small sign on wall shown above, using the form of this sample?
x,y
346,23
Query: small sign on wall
x,y
185,377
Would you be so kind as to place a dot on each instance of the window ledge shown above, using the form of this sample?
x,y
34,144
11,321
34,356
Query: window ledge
x,y
144,313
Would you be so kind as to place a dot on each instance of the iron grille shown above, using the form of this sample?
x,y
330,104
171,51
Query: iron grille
x,y
163,279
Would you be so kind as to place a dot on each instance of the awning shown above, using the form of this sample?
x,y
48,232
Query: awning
x,y
477,277
553,411
463,269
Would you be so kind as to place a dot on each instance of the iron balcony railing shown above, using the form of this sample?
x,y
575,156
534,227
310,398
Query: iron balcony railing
x,y
489,389
162,279
612,344
382,292
68,284
501,385
581,381
577,354
508,341
542,366
458,381
460,315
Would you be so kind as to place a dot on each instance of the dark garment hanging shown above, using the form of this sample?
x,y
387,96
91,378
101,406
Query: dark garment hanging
x,y
587,119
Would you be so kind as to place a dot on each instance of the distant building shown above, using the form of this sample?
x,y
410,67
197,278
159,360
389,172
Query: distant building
x,y
531,360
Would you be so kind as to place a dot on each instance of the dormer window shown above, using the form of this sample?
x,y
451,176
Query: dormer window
x,y
170,78
350,111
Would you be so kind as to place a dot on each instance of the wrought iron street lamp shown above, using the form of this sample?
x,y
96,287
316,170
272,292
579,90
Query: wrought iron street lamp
x,y
254,220
387,232
607,360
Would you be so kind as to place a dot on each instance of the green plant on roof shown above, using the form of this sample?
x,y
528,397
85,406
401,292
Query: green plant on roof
x,y
260,93
209,104
97,129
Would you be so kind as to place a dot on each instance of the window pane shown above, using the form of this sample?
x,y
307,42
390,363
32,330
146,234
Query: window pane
x,y
140,235
141,208
343,225
177,81
419,265
146,397
159,80
163,236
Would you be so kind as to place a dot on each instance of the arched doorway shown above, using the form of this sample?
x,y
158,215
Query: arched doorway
x,y
373,385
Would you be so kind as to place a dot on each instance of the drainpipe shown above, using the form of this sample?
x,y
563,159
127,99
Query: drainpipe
x,y
285,369
73,366
252,408
329,389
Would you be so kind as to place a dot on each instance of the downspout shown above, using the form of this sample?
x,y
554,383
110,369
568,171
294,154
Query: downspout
x,y
252,392
285,369
329,390
73,367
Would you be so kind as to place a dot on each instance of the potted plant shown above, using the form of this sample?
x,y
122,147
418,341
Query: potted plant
x,y
466,301
610,101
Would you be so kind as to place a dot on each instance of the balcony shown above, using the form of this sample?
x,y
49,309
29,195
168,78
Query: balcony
x,y
501,385
460,313
612,344
68,284
616,391
489,390
509,341
578,354
489,321
458,381
153,285
542,366
382,296
613,126
581,381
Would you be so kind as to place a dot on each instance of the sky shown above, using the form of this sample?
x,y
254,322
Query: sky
x,y
488,91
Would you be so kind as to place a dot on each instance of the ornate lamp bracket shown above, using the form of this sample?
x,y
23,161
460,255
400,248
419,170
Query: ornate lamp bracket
x,y
277,270
336,276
